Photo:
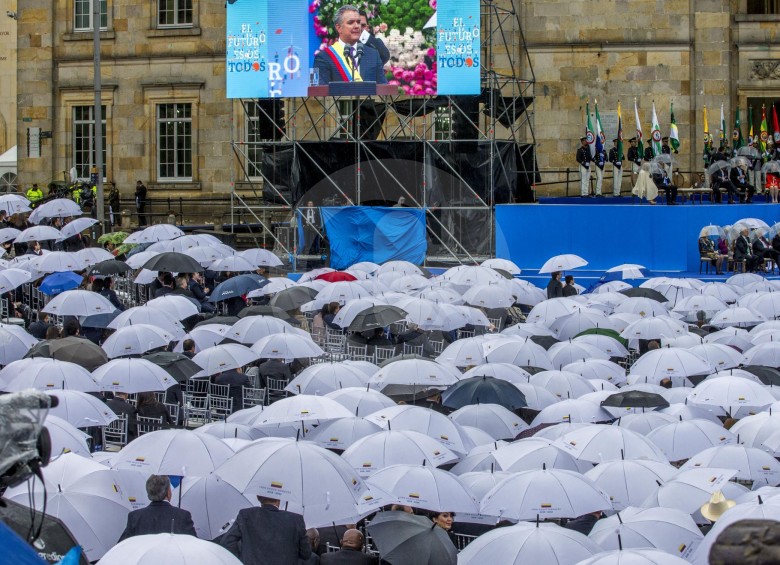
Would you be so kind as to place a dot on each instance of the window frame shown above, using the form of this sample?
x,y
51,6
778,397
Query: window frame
x,y
89,123
187,122
77,17
176,11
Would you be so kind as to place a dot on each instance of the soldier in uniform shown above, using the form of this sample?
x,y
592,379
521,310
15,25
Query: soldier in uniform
x,y
617,168
665,148
635,158
649,155
584,159
600,158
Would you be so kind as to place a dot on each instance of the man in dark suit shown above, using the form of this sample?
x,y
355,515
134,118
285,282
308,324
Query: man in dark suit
x,y
159,517
351,552
661,180
584,524
275,369
743,251
373,41
266,535
738,178
38,328
342,60
119,405
720,181
237,381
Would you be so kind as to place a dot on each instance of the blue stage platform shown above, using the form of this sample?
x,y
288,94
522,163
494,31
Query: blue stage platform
x,y
660,237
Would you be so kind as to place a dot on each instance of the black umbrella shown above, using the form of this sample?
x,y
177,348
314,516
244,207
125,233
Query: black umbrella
x,y
293,297
484,390
172,262
378,316
768,375
98,320
546,341
237,286
265,310
226,320
72,349
404,538
177,365
644,293
54,541
109,268
635,399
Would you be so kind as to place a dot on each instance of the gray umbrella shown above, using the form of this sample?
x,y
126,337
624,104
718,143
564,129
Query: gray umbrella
x,y
404,538
173,262
292,298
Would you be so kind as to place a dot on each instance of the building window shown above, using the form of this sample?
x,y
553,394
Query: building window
x,y
763,6
264,123
82,20
84,140
174,141
173,13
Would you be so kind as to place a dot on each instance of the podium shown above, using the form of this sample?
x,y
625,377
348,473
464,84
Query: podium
x,y
353,89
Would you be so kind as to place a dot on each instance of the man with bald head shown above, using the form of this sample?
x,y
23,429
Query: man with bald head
x,y
351,552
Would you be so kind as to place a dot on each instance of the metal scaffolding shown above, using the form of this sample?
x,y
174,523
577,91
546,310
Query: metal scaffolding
x,y
462,147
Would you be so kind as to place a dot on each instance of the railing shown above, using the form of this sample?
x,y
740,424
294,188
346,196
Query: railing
x,y
571,176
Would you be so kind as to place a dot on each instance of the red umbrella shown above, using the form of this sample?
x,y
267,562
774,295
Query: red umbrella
x,y
336,276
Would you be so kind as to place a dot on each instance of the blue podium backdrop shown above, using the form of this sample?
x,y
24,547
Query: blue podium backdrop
x,y
662,238
377,234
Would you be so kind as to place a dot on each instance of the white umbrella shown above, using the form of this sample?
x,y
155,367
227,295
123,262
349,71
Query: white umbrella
x,y
173,452
180,549
529,543
571,325
132,375
598,442
137,260
654,328
719,356
275,284
66,438
158,232
148,315
135,340
230,430
78,303
489,296
81,409
567,352
464,352
426,314
361,401
497,421
563,384
605,343
752,463
503,371
234,264
14,343
481,482
286,346
767,354
12,278
57,208
645,307
630,482
517,351
644,422
753,430
408,283
735,337
565,262
427,421
424,487
93,255
205,256
412,374
670,362
42,373
531,454
572,410
38,233
731,394
642,556
8,234
205,336
226,357
303,407
464,277
308,479
526,293
394,447
688,411
736,317
598,369
666,529
322,378
545,493
77,226
86,496
684,439
261,258
342,433
179,307
57,261
503,264
253,328
212,502
14,204
546,312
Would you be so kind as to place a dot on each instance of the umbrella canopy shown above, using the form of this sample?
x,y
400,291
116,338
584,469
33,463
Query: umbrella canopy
x,y
265,310
644,292
77,226
393,447
212,502
562,263
635,399
172,548
16,342
38,233
78,303
343,433
532,454
233,264
424,487
286,346
292,298
529,543
46,374
157,232
13,278
751,463
412,375
66,438
172,262
629,483
494,419
379,316
237,286
81,409
72,349
150,316
361,401
226,357
427,421
731,394
404,538
136,340
599,442
303,407
323,378
684,439
180,307
57,208
173,452
670,362
261,258
132,375
109,268
489,390
253,328
60,282
572,410
179,366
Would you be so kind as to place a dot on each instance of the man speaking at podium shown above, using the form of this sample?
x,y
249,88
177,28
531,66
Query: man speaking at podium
x,y
348,59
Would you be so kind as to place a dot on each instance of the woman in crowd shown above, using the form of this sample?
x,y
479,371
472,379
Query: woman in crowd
x,y
707,251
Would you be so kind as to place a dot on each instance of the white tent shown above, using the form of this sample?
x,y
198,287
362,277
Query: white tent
x,y
8,170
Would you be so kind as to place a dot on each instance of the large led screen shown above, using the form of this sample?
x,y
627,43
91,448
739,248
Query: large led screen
x,y
294,48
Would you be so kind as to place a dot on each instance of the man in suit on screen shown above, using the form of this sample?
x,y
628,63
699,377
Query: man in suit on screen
x,y
348,60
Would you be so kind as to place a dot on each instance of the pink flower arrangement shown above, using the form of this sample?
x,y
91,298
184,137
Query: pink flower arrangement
x,y
432,4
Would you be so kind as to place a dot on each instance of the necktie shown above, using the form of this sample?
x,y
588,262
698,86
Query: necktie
x,y
350,53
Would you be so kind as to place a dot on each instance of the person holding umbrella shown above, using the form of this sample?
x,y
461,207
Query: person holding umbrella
x,y
159,517
351,552
444,520
200,292
555,286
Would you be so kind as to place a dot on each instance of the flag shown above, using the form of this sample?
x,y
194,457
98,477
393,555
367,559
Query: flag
x,y
656,134
736,136
722,127
751,138
674,134
590,138
775,126
763,133
707,136
601,139
620,134
638,131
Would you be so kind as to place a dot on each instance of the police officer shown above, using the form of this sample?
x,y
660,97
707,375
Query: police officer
x,y
584,159
665,149
649,155
635,158
34,194
617,168
600,158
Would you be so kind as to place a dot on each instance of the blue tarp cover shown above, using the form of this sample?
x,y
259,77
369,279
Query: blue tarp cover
x,y
377,234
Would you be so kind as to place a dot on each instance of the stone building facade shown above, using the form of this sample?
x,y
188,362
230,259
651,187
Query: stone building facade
x,y
164,87
8,77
